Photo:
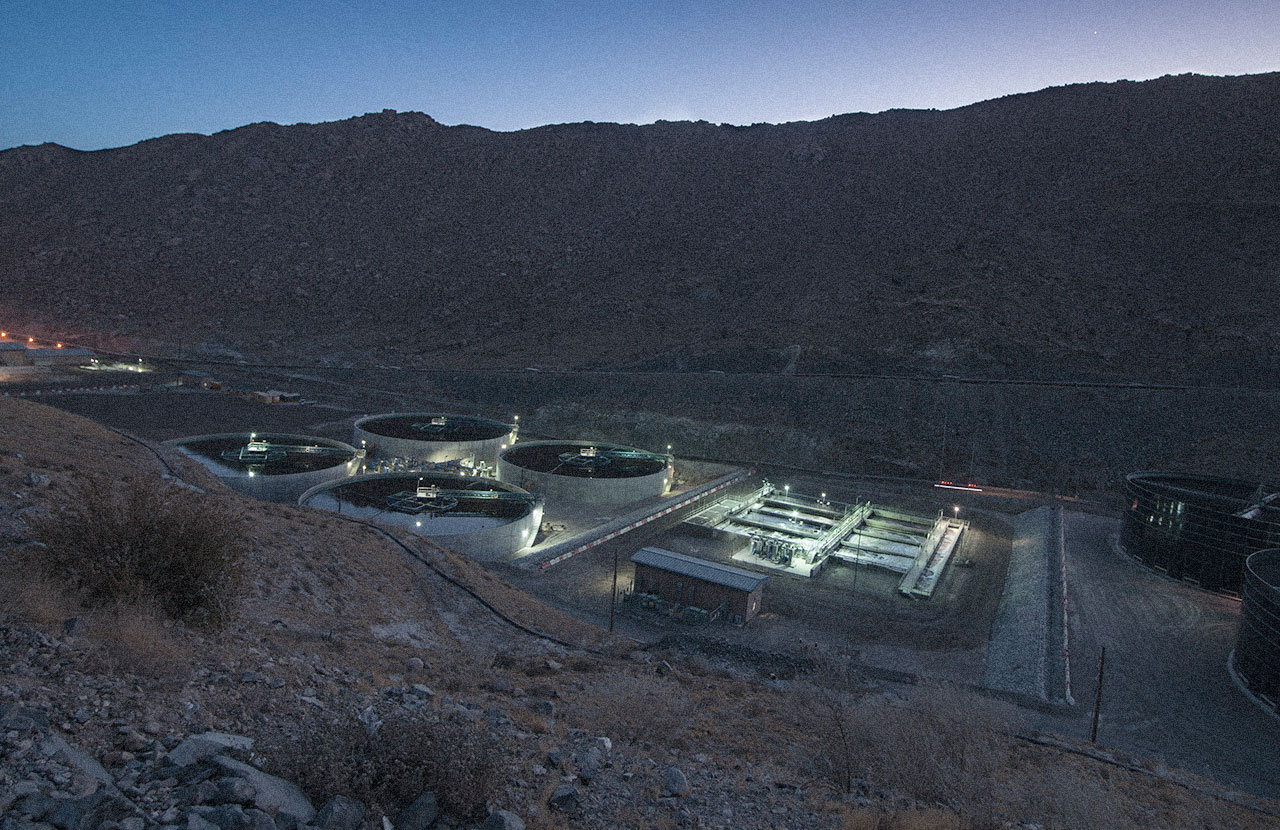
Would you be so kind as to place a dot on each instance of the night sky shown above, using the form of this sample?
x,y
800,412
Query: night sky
x,y
101,74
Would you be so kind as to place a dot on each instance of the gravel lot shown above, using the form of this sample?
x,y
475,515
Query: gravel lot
x,y
1166,692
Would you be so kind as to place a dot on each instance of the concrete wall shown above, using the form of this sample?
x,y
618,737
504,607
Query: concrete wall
x,y
382,446
499,542
286,488
582,490
495,543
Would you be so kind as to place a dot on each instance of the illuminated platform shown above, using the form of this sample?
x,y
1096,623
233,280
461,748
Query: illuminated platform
x,y
798,534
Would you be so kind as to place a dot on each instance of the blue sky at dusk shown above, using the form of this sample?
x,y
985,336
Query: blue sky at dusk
x,y
103,74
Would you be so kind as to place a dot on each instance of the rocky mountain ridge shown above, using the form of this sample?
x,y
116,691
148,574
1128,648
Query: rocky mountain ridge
x,y
1125,230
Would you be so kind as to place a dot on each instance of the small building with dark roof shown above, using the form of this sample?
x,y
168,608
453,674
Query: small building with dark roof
x,y
732,594
60,357
14,354
199,380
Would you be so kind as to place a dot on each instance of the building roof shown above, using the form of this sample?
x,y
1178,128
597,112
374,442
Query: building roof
x,y
691,566
10,346
64,352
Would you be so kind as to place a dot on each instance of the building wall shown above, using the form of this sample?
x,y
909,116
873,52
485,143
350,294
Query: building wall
x,y
688,590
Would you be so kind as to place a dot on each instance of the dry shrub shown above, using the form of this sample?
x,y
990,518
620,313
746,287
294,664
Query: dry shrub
x,y
866,818
943,746
837,758
388,767
1065,797
134,639
529,721
633,709
144,542
28,596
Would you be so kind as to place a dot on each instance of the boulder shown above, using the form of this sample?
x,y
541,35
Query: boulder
x,y
420,814
37,717
271,794
674,783
55,745
232,791
564,798
502,820
339,813
195,748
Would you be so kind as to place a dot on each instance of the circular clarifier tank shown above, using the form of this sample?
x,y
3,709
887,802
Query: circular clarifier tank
x,y
481,517
1256,659
1199,528
586,473
272,466
434,437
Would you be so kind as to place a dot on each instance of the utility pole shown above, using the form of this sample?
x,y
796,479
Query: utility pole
x,y
942,460
613,595
1097,699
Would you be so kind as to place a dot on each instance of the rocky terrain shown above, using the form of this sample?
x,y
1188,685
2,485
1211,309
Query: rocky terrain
x,y
358,686
1124,230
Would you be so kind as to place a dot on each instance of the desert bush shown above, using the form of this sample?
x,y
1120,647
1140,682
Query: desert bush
x,y
1066,797
144,542
634,709
134,639
836,756
943,746
389,765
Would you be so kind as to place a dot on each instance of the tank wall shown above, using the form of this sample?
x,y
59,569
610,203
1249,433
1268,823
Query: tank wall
x,y
382,446
556,488
1198,541
1257,653
288,488
495,543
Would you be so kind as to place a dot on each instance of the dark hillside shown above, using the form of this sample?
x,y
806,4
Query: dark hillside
x,y
1127,230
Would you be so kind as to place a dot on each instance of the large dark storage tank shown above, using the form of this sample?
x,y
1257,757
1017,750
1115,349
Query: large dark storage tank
x,y
1256,659
1199,528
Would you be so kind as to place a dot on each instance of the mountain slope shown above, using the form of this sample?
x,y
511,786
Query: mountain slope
x,y
1121,230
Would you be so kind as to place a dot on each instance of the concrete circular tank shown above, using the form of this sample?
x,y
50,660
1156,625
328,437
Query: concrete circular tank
x,y
1199,528
481,517
272,466
434,437
1256,659
586,473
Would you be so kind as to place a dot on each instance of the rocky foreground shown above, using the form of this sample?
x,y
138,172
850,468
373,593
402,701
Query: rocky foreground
x,y
355,686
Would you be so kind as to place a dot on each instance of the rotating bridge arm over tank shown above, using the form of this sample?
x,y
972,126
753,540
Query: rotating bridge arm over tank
x,y
260,451
438,500
595,458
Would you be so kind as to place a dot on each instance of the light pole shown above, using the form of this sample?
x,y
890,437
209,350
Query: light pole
x,y
613,594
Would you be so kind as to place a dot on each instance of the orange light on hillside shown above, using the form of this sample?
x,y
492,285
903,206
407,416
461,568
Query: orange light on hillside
x,y
4,334
59,345
31,340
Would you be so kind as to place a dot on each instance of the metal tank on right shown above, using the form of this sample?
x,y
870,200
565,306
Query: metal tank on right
x,y
1199,528
1256,659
